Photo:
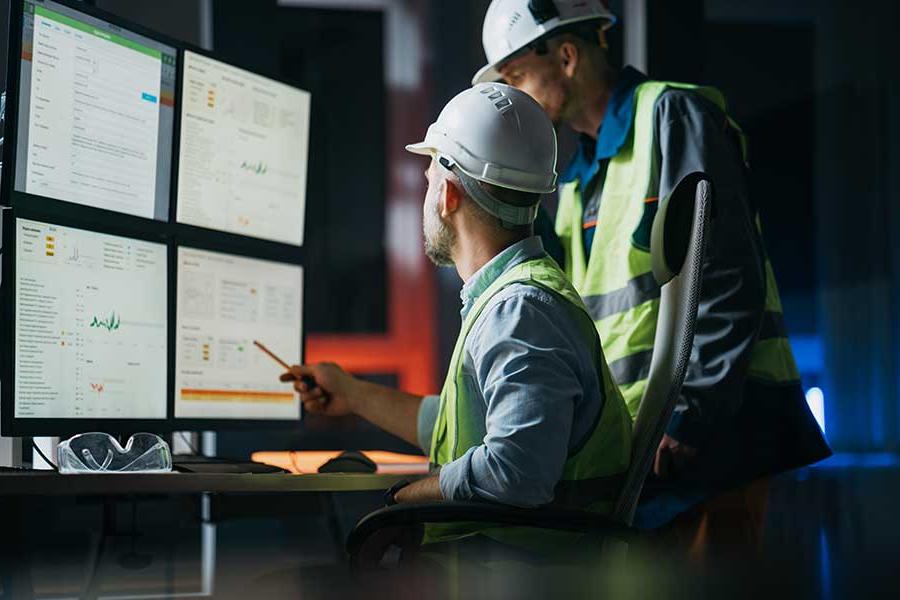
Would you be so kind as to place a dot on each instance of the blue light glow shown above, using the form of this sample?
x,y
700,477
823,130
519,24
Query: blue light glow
x,y
815,398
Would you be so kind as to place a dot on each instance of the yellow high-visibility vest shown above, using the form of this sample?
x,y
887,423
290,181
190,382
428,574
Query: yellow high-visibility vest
x,y
592,476
616,281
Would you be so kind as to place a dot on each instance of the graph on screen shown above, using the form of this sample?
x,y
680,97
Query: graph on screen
x,y
243,153
91,315
224,303
112,323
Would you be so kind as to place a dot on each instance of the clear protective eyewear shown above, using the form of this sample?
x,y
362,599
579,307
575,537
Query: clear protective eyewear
x,y
102,453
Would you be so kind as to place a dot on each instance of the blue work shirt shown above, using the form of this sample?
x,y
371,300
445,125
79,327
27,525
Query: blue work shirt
x,y
530,360
611,135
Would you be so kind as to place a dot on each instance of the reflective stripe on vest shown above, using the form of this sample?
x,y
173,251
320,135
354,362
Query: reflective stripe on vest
x,y
593,474
772,359
617,283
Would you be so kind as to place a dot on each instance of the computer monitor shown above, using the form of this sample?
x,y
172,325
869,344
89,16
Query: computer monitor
x,y
224,303
88,338
95,108
243,150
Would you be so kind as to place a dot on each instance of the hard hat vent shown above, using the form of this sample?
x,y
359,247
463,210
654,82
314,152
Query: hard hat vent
x,y
498,98
498,135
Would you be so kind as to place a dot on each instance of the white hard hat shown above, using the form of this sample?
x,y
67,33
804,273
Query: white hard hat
x,y
496,134
513,25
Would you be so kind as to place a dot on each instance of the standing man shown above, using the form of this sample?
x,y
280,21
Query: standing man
x,y
742,414
529,413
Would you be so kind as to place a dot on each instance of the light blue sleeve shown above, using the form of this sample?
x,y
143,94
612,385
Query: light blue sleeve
x,y
428,412
525,352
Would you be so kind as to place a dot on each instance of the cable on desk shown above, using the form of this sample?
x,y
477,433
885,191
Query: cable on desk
x,y
44,456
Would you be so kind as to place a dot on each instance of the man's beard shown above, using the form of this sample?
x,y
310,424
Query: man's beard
x,y
439,239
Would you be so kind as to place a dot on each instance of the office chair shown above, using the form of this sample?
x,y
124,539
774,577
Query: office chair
x,y
677,247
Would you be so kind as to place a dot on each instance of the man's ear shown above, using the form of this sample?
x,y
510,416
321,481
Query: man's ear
x,y
569,55
451,198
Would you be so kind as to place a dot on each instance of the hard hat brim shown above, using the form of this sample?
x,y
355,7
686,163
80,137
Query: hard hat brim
x,y
423,148
487,74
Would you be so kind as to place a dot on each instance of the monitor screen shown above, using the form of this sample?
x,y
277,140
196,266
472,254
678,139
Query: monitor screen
x,y
225,302
243,152
91,314
96,113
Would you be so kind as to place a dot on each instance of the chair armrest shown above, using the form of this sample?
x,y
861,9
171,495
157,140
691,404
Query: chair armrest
x,y
409,515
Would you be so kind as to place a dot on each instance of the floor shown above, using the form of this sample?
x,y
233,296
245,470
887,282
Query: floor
x,y
832,532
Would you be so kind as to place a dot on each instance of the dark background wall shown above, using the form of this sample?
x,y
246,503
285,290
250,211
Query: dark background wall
x,y
858,222
180,19
814,86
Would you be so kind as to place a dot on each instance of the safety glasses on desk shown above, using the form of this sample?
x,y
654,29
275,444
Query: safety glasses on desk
x,y
101,453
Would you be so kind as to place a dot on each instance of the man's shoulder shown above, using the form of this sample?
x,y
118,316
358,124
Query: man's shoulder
x,y
529,311
526,296
675,103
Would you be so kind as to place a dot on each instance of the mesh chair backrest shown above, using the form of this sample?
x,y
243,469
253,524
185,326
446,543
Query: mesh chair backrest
x,y
678,246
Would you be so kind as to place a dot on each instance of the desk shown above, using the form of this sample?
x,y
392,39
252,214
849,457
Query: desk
x,y
44,483
17,488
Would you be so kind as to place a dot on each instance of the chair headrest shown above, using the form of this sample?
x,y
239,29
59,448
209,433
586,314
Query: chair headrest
x,y
671,233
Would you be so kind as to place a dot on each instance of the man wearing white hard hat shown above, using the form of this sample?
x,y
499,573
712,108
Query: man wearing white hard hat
x,y
742,415
528,414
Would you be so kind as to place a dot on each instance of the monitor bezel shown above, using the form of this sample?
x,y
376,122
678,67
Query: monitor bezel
x,y
24,200
277,255
176,151
14,426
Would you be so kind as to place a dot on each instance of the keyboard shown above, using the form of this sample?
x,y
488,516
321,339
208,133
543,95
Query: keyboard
x,y
216,465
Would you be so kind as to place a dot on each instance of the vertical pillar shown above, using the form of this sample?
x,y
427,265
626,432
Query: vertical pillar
x,y
10,452
206,24
634,26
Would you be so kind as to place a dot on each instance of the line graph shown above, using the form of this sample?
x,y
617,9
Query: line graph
x,y
257,168
111,324
98,389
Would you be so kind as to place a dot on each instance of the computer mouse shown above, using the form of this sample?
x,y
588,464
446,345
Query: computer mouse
x,y
349,462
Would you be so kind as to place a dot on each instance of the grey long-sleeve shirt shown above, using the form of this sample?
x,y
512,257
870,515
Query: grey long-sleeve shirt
x,y
530,364
693,135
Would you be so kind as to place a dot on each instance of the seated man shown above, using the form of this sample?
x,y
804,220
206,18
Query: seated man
x,y
528,414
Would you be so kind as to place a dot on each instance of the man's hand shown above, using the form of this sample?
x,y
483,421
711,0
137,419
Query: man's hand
x,y
672,456
325,389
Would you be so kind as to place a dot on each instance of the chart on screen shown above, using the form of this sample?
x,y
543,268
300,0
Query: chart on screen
x,y
97,108
224,303
91,324
243,153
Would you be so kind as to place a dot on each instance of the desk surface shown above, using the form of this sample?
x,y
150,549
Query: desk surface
x,y
41,483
